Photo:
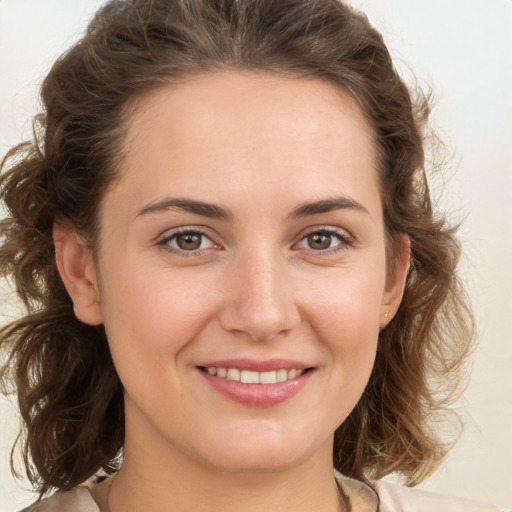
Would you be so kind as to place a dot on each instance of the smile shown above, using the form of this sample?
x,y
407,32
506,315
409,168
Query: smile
x,y
257,384
254,377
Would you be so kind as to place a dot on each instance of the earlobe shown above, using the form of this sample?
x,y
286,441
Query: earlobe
x,y
396,280
78,273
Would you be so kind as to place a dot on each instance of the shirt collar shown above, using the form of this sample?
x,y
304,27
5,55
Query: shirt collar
x,y
362,497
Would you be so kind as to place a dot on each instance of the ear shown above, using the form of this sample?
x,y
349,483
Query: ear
x,y
395,280
77,270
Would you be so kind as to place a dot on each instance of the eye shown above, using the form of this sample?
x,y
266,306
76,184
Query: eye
x,y
187,240
324,240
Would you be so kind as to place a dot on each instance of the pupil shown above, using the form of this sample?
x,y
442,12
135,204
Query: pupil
x,y
189,241
319,241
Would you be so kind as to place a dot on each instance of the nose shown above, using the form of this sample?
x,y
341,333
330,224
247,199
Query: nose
x,y
260,300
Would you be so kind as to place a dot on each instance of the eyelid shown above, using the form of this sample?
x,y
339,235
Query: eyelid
x,y
346,239
164,238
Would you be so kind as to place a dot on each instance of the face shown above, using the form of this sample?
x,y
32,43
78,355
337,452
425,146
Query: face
x,y
241,269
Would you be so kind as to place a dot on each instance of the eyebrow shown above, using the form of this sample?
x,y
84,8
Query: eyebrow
x,y
328,205
188,205
219,212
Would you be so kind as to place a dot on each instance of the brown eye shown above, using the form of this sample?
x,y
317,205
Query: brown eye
x,y
189,241
319,241
325,240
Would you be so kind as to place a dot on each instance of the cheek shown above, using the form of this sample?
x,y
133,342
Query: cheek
x,y
150,316
345,314
347,301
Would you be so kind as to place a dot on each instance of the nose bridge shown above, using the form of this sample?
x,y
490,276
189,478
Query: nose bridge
x,y
262,304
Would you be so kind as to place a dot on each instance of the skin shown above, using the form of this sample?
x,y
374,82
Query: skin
x,y
260,146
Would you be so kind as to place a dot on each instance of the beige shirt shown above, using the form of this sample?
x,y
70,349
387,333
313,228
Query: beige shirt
x,y
387,498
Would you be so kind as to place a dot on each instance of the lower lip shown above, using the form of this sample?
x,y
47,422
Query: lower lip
x,y
257,395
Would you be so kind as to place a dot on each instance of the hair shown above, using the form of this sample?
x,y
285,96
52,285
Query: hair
x,y
70,397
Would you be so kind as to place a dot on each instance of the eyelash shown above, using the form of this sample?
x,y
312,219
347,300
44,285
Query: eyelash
x,y
345,241
166,240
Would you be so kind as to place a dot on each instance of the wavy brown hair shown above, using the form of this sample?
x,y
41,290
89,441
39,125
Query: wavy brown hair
x,y
70,397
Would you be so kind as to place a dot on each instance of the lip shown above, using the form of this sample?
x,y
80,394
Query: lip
x,y
268,365
257,395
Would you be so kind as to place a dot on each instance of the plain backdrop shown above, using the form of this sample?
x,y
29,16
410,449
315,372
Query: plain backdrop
x,y
463,50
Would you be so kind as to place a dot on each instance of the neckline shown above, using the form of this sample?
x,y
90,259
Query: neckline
x,y
361,496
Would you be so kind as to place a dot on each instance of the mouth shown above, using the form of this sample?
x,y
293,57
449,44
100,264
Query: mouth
x,y
255,377
255,384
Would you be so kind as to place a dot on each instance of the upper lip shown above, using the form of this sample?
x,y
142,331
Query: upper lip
x,y
267,365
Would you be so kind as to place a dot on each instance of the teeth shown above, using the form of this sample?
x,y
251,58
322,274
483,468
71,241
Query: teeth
x,y
233,374
251,377
268,377
282,375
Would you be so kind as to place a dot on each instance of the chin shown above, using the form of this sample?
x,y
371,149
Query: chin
x,y
252,461
257,454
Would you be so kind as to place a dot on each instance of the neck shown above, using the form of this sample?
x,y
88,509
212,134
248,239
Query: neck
x,y
161,474
180,482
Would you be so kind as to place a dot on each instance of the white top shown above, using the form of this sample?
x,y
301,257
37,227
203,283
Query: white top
x,y
391,498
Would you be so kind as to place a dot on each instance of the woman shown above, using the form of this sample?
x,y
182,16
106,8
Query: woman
x,y
232,269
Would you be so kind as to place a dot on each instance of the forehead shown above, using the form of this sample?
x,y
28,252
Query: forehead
x,y
237,104
237,88
240,128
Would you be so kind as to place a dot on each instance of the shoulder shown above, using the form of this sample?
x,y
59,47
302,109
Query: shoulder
x,y
77,500
385,496
398,498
